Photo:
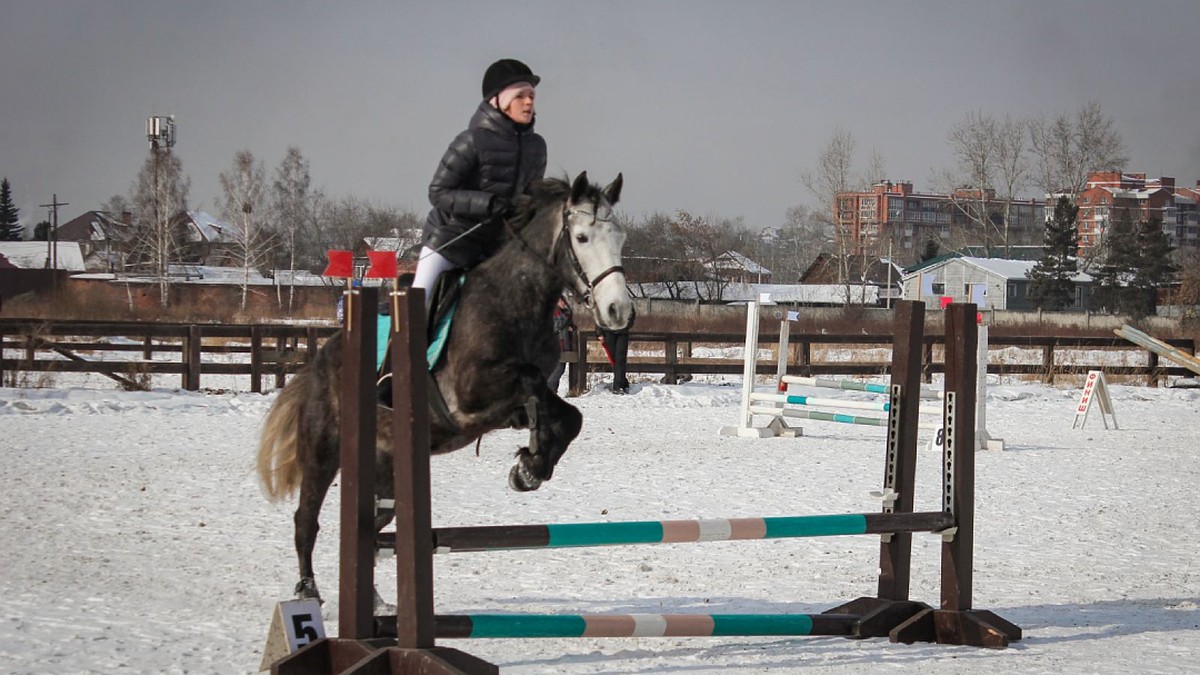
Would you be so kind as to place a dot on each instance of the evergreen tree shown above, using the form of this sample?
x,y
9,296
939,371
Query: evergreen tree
x,y
10,224
1119,261
1154,270
41,231
1050,285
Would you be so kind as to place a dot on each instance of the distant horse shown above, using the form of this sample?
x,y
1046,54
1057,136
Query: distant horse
x,y
493,374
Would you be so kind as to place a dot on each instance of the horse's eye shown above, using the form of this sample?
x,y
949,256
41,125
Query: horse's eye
x,y
581,238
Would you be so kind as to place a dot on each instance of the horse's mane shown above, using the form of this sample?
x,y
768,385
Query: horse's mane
x,y
543,194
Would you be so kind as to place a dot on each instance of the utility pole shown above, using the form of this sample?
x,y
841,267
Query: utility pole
x,y
52,236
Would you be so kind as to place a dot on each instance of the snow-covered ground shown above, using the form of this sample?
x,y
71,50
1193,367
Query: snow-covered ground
x,y
134,537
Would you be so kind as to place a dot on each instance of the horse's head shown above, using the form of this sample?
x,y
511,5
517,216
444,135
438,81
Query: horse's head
x,y
594,241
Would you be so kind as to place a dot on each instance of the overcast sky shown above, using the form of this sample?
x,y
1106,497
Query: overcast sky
x,y
711,107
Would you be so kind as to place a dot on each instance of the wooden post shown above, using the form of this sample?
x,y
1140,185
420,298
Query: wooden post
x,y
310,344
895,551
958,468
191,359
356,603
410,433
1048,364
671,359
256,359
577,368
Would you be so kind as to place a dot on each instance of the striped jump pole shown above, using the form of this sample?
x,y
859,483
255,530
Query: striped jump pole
x,y
579,535
474,626
796,399
838,418
927,391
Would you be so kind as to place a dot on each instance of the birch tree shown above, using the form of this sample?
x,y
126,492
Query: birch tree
x,y
831,177
292,208
159,193
244,207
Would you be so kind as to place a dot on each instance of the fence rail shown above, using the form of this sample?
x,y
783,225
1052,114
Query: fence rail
x,y
125,351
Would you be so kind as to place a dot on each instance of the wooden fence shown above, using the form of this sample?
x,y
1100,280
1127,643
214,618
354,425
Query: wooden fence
x,y
128,352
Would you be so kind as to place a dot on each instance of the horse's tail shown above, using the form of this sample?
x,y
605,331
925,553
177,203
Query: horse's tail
x,y
279,470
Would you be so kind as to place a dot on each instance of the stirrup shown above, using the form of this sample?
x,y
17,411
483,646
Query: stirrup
x,y
383,391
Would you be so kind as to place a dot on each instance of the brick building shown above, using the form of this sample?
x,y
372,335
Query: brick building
x,y
1107,192
892,213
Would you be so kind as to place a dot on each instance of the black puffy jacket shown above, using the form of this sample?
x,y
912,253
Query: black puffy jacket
x,y
494,158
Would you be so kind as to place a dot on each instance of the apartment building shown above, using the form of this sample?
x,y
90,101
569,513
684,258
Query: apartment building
x,y
892,213
1106,193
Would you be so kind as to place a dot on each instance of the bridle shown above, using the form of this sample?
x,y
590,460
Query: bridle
x,y
576,266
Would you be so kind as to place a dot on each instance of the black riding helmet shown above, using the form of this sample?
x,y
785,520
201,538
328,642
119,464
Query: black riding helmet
x,y
505,72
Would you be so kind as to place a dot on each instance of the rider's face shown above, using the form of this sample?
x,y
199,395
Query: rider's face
x,y
521,108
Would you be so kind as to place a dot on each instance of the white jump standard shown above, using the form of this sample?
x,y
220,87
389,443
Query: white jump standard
x,y
776,405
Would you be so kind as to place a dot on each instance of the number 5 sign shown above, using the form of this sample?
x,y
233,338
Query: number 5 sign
x,y
294,624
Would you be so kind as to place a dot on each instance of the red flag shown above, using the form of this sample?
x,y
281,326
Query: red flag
x,y
946,299
341,264
383,265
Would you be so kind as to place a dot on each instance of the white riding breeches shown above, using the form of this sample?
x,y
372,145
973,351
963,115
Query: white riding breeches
x,y
430,266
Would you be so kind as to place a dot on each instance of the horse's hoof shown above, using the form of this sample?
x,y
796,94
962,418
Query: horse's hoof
x,y
521,480
306,589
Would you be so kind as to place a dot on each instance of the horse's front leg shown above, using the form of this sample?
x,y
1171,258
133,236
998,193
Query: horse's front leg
x,y
553,424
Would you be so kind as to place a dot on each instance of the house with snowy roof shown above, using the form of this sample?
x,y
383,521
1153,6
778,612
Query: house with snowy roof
x,y
206,240
102,236
1005,282
31,266
735,267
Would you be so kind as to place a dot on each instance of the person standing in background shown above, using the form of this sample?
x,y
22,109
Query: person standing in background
x,y
616,345
564,326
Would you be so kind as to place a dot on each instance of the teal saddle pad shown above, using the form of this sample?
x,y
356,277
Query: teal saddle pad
x,y
438,332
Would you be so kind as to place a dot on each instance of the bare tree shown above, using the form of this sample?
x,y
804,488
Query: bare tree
x,y
1068,149
993,169
790,249
159,194
118,206
244,207
292,207
1012,175
876,169
344,222
833,176
652,256
704,241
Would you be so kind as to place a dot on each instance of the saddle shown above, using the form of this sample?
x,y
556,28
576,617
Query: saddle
x,y
446,293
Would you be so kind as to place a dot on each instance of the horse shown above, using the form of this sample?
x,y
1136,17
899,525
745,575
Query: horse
x,y
499,352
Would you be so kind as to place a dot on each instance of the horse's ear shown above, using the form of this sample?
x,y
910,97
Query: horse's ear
x,y
613,191
579,188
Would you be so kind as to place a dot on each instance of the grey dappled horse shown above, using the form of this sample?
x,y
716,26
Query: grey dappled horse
x,y
493,375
